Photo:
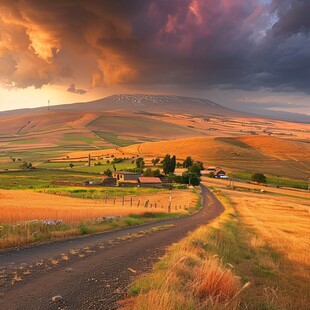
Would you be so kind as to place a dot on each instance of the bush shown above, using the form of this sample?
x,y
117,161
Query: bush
x,y
108,172
117,160
259,177
84,229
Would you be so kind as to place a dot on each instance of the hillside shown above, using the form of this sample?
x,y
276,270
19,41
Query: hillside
x,y
270,155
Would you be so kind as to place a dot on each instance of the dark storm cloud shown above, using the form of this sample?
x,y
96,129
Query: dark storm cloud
x,y
193,43
73,89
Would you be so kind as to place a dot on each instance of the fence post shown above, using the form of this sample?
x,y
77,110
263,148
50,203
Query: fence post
x,y
131,201
123,200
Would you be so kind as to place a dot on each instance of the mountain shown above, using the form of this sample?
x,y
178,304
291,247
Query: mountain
x,y
152,103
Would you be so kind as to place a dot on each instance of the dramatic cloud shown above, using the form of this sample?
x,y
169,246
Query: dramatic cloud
x,y
73,89
245,44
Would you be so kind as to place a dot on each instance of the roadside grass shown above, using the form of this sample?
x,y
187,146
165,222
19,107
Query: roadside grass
x,y
224,265
273,180
98,192
35,231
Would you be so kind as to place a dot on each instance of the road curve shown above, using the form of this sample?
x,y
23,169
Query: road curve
x,y
91,272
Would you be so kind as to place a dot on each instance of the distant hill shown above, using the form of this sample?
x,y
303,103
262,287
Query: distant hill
x,y
153,103
142,103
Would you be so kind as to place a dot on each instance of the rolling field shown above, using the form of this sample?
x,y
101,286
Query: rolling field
x,y
19,206
277,226
22,212
254,256
251,153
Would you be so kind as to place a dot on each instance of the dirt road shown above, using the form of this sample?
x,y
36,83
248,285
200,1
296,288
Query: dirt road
x,y
91,272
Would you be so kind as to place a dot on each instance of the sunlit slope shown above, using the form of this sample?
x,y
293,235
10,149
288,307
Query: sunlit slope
x,y
250,153
279,148
42,122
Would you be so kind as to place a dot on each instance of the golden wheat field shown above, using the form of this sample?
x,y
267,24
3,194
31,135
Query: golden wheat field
x,y
23,205
280,217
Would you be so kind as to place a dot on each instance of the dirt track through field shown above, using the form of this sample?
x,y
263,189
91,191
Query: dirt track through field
x,y
91,272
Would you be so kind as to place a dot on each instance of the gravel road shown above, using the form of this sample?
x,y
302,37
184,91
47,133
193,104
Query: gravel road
x,y
91,272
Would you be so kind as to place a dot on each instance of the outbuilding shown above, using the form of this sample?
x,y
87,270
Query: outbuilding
x,y
150,182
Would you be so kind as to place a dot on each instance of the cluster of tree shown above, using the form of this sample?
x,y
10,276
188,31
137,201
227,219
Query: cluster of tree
x,y
140,162
14,159
26,165
191,176
151,173
169,164
188,162
259,177
117,160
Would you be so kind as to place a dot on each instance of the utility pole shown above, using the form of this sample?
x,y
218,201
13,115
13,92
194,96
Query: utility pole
x,y
170,202
48,105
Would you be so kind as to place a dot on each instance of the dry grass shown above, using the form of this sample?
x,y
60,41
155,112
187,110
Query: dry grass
x,y
18,206
21,212
189,277
207,149
280,222
265,243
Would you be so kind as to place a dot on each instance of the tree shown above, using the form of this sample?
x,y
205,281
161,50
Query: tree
x,y
71,165
188,162
151,173
26,165
211,174
148,172
259,177
140,162
107,172
155,161
196,168
172,164
166,164
190,178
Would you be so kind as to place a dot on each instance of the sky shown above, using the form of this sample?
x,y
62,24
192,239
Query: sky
x,y
244,54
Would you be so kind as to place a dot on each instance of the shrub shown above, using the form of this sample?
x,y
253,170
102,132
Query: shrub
x,y
84,229
259,177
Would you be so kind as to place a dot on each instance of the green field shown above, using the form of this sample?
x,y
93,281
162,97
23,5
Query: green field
x,y
114,139
37,178
139,126
97,192
273,180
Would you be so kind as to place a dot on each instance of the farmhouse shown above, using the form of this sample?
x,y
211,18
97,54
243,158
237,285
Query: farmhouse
x,y
125,177
149,182
209,170
220,174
